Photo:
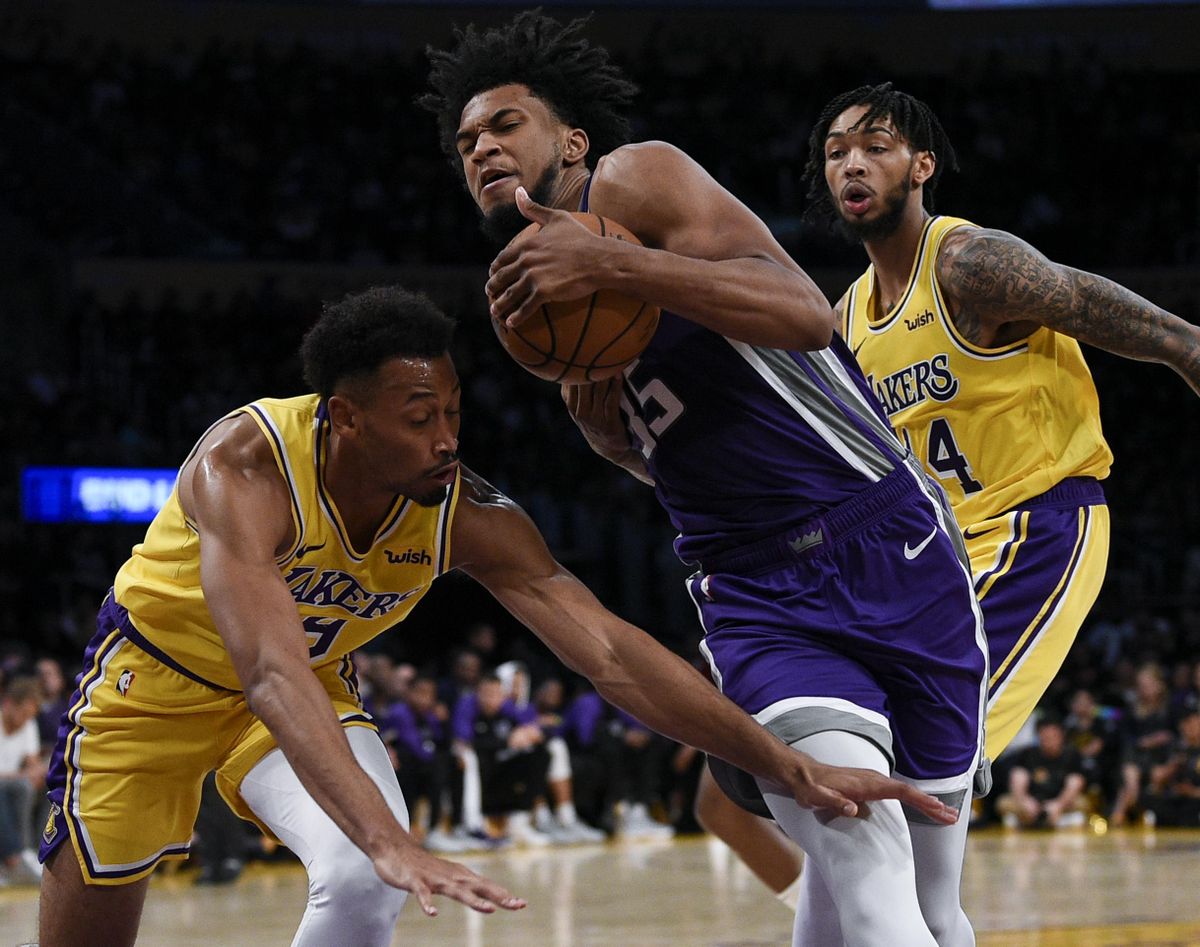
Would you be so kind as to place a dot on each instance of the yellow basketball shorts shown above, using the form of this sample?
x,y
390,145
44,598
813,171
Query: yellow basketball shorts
x,y
135,745
1037,571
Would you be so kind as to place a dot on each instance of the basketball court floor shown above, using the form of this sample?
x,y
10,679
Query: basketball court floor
x,y
1021,889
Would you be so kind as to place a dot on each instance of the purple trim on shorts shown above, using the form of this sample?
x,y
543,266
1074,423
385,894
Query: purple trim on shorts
x,y
140,640
1072,492
111,618
1014,658
819,532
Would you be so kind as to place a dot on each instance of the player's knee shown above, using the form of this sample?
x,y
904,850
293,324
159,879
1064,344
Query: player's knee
x,y
344,882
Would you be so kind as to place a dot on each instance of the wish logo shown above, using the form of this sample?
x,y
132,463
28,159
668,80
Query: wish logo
x,y
418,557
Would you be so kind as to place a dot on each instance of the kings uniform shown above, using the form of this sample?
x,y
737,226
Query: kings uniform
x,y
1013,435
158,704
793,498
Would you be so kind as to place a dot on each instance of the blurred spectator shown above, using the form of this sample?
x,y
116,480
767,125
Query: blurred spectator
x,y
1174,792
508,745
54,701
222,838
466,669
1092,733
1146,739
562,825
22,779
1046,783
414,728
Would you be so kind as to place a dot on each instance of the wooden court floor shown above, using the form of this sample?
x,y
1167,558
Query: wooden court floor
x,y
1020,889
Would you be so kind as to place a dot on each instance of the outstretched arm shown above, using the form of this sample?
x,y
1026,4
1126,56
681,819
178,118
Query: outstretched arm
x,y
707,257
1000,288
236,496
497,544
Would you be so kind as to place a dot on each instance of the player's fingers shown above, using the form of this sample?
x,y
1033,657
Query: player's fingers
x,y
925,803
523,310
531,209
497,895
500,280
507,301
424,897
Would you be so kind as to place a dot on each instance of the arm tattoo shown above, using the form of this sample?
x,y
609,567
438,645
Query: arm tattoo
x,y
992,278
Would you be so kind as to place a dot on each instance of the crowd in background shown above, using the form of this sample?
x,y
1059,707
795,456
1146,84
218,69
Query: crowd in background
x,y
257,152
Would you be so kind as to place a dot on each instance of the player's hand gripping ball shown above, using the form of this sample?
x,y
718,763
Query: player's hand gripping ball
x,y
582,340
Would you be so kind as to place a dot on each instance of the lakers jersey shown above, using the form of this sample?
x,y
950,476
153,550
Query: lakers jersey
x,y
345,596
996,426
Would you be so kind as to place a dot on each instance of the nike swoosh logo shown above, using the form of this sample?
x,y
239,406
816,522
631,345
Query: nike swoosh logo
x,y
858,347
982,532
913,552
303,551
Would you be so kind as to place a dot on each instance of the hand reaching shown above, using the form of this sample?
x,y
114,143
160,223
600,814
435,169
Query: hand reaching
x,y
413,869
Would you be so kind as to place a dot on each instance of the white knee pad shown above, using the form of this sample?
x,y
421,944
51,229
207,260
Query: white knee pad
x,y
349,905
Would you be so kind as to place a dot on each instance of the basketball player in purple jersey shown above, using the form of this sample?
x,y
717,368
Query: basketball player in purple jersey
x,y
835,598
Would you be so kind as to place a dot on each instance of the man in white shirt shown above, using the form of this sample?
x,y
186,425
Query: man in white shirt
x,y
22,777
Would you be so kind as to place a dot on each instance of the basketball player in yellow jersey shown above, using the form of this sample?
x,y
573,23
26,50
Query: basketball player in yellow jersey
x,y
299,529
968,337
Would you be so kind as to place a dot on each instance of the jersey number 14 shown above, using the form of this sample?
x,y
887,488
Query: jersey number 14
x,y
945,459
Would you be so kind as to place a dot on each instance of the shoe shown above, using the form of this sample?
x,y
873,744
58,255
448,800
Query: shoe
x,y
637,824
224,872
478,840
522,831
447,843
576,833
26,870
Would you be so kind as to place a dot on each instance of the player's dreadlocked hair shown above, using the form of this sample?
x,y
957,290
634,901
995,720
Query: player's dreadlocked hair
x,y
914,120
578,82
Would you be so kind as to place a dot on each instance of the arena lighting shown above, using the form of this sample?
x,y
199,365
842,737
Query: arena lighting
x,y
94,494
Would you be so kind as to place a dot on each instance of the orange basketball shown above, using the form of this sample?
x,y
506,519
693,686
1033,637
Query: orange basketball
x,y
582,340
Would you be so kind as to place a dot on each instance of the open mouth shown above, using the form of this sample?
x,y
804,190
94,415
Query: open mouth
x,y
490,176
857,198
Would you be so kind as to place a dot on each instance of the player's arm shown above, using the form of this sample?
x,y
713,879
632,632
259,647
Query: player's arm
x,y
706,257
596,411
1000,289
497,544
839,315
236,496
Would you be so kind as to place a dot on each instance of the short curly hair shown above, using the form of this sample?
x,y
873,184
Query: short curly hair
x,y
914,120
581,86
356,335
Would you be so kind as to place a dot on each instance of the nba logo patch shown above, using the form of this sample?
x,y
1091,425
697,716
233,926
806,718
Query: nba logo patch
x,y
51,828
124,682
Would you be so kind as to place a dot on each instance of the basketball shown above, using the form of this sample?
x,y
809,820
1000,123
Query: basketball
x,y
582,340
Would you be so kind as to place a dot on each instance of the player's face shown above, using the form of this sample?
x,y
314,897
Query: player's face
x,y
508,137
406,427
870,173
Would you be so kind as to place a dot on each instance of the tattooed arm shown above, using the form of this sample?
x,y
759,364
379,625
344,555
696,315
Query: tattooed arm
x,y
1000,289
839,315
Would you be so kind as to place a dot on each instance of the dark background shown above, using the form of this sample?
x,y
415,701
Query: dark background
x,y
182,183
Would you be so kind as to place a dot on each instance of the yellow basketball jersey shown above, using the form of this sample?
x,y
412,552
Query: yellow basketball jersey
x,y
996,426
345,596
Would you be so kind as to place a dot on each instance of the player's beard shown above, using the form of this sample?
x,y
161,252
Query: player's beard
x,y
436,498
887,223
505,221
